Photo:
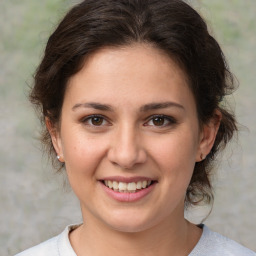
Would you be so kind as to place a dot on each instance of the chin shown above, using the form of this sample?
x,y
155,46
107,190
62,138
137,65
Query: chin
x,y
130,227
130,223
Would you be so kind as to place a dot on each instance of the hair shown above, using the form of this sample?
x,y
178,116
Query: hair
x,y
169,25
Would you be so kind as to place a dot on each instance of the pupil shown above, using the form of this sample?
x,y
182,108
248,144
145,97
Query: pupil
x,y
97,120
158,121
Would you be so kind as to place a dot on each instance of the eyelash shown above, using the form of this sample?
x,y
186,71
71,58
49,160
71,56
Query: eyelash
x,y
170,120
87,119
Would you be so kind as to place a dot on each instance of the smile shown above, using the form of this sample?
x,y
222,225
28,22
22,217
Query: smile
x,y
131,187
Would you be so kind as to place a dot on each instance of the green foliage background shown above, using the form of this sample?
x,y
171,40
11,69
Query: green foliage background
x,y
34,205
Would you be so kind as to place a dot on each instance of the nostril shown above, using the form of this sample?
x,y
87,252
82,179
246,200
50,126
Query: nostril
x,y
126,154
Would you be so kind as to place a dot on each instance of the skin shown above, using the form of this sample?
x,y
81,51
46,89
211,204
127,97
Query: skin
x,y
128,143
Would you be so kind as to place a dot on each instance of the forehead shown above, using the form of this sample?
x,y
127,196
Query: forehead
x,y
133,74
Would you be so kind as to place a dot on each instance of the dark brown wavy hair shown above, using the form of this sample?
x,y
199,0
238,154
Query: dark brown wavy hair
x,y
170,25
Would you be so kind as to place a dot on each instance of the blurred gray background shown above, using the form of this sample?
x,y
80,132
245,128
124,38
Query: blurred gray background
x,y
34,203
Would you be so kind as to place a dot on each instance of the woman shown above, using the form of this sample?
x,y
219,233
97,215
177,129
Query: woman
x,y
131,95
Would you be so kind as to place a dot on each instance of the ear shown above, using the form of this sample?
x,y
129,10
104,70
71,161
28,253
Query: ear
x,y
208,136
56,140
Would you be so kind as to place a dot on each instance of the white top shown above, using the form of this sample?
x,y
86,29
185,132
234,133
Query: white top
x,y
210,244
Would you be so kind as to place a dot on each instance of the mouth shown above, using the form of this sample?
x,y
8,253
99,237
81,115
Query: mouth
x,y
131,187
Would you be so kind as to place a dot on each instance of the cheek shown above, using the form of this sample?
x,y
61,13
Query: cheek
x,y
175,156
175,147
82,153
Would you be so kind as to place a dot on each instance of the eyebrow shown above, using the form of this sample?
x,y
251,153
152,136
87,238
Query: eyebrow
x,y
160,105
94,105
145,108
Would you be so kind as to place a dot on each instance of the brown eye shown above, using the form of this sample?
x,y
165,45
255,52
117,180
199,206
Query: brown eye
x,y
97,121
161,121
158,121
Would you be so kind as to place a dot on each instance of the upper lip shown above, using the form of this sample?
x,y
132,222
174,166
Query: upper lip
x,y
128,179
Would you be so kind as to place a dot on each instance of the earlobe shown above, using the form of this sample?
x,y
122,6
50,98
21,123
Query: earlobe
x,y
208,136
55,137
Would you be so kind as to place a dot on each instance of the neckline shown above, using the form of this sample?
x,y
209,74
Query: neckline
x,y
65,248
200,242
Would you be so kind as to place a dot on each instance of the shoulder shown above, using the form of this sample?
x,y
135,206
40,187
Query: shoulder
x,y
214,244
49,247
56,246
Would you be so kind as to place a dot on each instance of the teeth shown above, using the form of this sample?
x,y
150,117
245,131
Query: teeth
x,y
139,185
110,184
131,186
122,186
144,184
127,187
115,185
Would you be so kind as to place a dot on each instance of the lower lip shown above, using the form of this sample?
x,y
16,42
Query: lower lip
x,y
128,197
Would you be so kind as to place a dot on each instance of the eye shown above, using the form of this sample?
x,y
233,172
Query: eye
x,y
95,120
161,121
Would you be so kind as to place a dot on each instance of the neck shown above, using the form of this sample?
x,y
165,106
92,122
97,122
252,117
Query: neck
x,y
178,237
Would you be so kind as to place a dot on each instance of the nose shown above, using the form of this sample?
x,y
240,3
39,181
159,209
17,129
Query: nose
x,y
126,148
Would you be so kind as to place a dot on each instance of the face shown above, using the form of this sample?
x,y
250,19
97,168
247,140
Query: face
x,y
129,137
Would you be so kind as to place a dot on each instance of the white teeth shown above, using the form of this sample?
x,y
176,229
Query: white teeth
x,y
110,184
127,187
115,185
139,185
144,184
131,186
122,186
